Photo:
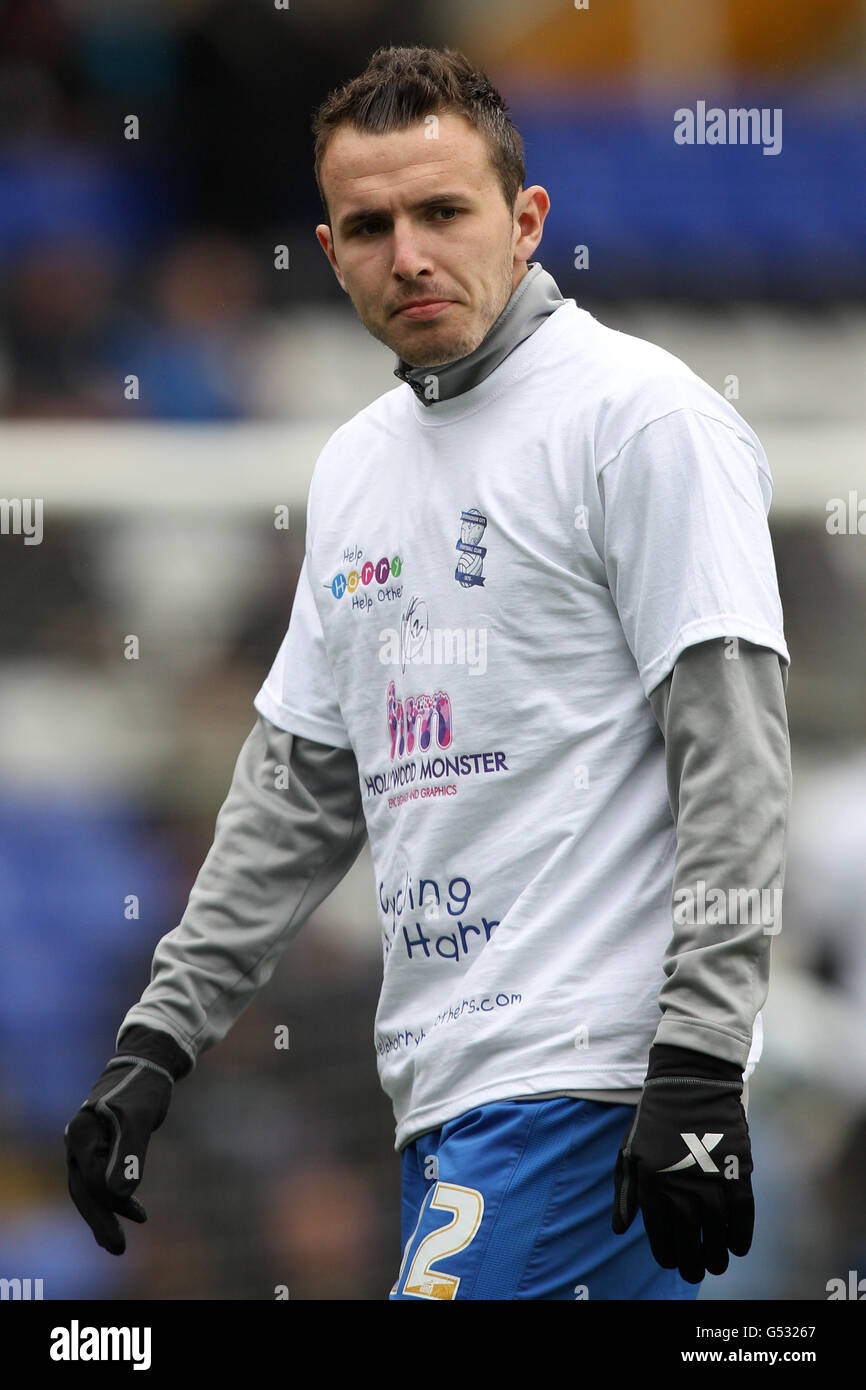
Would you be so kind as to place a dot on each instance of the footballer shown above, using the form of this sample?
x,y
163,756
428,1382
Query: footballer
x,y
536,660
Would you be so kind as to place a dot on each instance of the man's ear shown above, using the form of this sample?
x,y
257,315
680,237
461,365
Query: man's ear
x,y
531,208
323,234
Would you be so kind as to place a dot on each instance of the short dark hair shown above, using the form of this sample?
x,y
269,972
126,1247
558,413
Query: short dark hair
x,y
400,86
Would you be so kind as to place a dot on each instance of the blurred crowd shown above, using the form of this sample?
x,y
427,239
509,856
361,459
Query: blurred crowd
x,y
152,156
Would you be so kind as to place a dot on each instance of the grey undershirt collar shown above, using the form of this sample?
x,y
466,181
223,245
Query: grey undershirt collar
x,y
531,302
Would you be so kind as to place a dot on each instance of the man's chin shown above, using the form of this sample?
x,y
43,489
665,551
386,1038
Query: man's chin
x,y
438,351
424,344
413,358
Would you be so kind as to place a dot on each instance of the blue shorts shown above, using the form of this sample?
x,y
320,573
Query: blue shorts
x,y
514,1200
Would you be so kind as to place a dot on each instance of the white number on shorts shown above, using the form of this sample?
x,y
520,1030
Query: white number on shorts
x,y
467,1207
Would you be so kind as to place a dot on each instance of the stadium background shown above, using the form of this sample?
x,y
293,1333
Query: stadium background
x,y
155,256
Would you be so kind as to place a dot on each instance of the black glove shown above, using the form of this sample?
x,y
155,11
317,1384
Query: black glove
x,y
107,1139
687,1162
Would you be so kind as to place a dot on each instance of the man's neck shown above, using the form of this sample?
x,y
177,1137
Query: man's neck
x,y
535,296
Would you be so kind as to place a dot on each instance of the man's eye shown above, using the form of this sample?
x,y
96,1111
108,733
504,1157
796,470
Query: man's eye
x,y
373,226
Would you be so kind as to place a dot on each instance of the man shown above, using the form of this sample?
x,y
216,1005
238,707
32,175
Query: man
x,y
536,655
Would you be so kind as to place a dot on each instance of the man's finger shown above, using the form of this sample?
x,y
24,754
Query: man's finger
x,y
625,1201
130,1207
741,1216
105,1226
714,1229
658,1220
687,1234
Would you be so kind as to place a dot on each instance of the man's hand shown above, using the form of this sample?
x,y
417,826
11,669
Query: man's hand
x,y
687,1163
107,1139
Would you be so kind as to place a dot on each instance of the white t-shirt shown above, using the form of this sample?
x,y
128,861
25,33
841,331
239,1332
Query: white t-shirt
x,y
493,585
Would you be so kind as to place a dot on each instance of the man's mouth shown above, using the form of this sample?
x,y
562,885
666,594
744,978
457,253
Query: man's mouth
x,y
423,308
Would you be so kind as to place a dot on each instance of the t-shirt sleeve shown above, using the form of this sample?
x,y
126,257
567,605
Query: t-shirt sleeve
x,y
299,694
687,546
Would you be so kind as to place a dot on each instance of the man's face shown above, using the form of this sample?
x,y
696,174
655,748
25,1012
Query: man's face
x,y
415,218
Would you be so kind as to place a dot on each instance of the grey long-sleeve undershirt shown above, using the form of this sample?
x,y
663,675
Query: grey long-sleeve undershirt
x,y
727,751
292,825
289,830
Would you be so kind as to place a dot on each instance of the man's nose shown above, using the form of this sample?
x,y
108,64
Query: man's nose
x,y
411,257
